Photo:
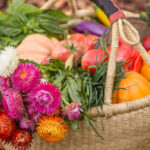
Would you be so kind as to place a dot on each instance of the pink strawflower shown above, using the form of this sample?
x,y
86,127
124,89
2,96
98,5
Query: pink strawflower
x,y
45,98
73,111
27,124
4,82
13,103
25,77
33,114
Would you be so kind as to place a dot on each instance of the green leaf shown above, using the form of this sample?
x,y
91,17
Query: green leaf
x,y
20,6
3,17
28,9
73,90
95,130
5,41
9,31
90,95
65,97
55,15
51,26
17,21
22,19
87,121
15,3
87,116
31,25
75,124
59,78
38,30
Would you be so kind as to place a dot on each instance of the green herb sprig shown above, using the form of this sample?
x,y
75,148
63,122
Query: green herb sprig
x,y
21,19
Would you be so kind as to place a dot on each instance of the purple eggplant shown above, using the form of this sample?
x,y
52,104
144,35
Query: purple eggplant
x,y
89,27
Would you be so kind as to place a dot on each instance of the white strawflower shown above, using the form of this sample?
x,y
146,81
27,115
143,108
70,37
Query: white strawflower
x,y
9,61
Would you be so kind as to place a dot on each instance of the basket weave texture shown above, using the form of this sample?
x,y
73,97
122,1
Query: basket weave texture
x,y
125,130
129,131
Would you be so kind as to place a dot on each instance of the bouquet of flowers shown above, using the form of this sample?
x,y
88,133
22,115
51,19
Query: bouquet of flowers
x,y
46,98
29,103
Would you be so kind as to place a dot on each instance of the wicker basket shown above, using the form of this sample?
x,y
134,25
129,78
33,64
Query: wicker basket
x,y
125,128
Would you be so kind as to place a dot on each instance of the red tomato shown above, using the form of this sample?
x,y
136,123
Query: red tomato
x,y
81,42
92,57
46,60
146,42
124,51
128,54
84,42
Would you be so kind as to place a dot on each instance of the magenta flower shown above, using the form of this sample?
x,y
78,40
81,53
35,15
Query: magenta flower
x,y
4,82
73,111
27,124
33,114
13,103
25,77
45,98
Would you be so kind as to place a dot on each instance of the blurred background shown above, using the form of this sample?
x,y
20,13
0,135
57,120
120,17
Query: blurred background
x,y
131,5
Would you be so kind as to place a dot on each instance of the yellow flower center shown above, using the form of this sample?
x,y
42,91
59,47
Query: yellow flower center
x,y
23,74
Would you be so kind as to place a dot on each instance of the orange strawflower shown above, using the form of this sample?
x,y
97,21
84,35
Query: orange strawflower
x,y
51,128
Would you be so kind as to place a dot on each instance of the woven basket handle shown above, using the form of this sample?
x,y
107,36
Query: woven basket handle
x,y
120,28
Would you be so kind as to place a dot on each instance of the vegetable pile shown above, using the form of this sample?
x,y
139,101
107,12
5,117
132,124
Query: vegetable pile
x,y
52,77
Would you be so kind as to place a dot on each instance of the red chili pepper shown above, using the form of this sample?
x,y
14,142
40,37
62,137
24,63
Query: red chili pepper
x,y
136,61
129,55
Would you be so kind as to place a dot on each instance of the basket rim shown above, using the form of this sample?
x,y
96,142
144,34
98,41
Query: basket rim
x,y
120,108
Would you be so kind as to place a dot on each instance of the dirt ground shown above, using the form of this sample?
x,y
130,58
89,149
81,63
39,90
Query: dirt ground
x,y
131,5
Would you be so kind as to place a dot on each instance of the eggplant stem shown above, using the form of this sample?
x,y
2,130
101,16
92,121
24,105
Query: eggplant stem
x,y
71,22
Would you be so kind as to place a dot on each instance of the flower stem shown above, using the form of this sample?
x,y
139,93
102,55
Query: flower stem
x,y
64,101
